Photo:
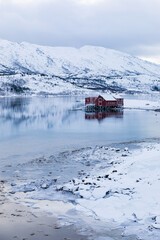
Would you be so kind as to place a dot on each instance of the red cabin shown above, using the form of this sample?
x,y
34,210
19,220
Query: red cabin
x,y
100,102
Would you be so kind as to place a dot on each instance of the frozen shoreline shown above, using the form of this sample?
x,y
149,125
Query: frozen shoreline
x,y
127,193
119,185
19,221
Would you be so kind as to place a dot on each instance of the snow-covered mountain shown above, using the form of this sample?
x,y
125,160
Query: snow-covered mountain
x,y
32,68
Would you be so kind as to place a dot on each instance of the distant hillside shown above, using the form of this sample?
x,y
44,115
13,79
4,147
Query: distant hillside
x,y
29,68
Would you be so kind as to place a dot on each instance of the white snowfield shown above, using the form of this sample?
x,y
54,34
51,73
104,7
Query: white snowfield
x,y
54,69
126,192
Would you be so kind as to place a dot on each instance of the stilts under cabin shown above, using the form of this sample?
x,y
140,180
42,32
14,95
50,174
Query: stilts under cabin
x,y
101,104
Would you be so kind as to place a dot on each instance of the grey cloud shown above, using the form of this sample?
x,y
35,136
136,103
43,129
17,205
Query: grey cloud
x,y
121,24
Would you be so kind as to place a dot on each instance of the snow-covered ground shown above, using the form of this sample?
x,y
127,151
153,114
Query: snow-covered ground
x,y
118,185
37,85
126,192
142,104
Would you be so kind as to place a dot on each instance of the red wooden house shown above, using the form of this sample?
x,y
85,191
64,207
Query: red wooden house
x,y
99,103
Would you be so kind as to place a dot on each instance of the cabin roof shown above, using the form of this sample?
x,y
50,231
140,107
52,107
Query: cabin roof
x,y
108,97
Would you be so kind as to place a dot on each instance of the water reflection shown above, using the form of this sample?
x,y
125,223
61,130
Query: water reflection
x,y
14,104
102,115
35,113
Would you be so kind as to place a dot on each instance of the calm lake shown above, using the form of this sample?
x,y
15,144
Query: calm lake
x,y
31,127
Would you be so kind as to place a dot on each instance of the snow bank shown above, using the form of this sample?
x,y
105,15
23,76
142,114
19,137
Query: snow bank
x,y
142,104
127,192
118,185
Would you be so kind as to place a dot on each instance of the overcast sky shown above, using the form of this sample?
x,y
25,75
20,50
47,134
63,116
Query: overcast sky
x,y
131,26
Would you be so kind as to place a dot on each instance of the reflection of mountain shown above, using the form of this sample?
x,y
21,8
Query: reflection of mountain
x,y
101,115
14,104
33,113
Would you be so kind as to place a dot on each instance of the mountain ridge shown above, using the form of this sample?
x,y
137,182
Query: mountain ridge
x,y
88,67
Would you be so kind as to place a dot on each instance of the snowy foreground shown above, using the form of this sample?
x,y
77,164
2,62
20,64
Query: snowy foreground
x,y
116,184
126,190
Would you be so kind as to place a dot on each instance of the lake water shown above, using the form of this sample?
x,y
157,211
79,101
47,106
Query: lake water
x,y
31,127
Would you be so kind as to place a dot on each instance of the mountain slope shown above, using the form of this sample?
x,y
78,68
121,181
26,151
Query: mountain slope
x,y
90,67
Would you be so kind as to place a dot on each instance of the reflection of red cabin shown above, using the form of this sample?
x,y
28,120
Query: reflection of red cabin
x,y
101,102
101,115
